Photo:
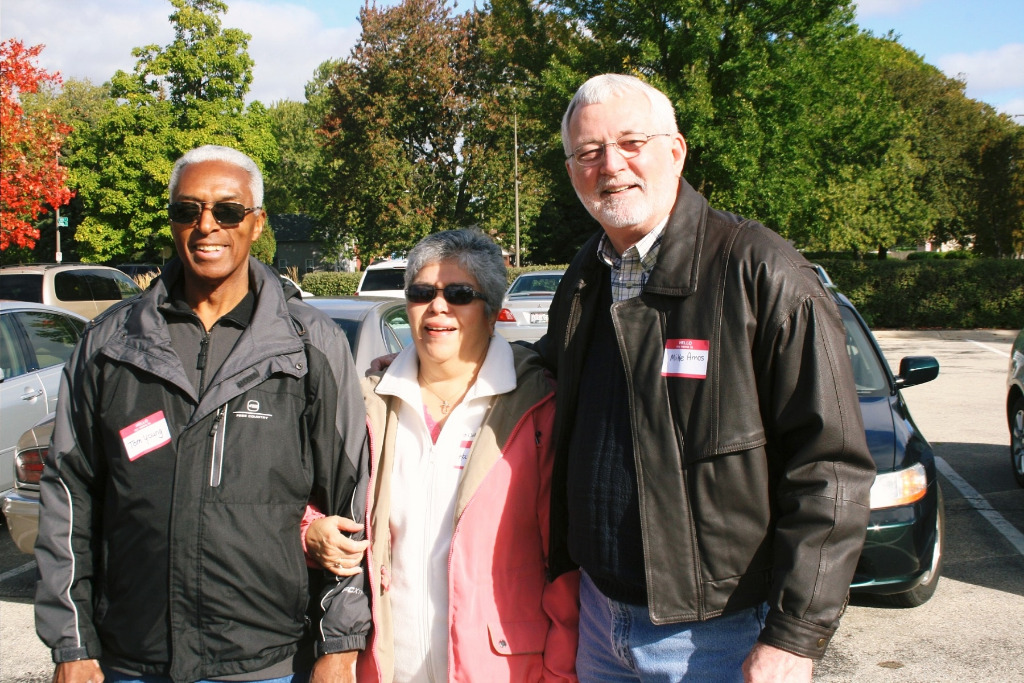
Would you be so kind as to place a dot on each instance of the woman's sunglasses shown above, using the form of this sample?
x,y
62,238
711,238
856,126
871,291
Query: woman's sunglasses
x,y
457,295
225,213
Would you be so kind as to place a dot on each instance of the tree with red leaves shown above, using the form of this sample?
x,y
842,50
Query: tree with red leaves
x,y
31,178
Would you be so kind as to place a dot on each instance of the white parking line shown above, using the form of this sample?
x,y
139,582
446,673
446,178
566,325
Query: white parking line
x,y
11,573
993,349
978,502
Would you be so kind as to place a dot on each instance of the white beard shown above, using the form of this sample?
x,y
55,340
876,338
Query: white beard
x,y
612,212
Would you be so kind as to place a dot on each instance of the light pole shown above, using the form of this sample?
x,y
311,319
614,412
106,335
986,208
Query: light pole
x,y
515,165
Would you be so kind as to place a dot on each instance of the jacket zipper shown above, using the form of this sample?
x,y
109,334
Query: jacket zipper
x,y
217,447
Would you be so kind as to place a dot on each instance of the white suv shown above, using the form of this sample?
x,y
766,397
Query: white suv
x,y
84,288
386,278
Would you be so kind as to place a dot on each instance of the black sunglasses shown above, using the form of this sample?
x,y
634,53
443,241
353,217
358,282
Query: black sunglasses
x,y
225,213
457,295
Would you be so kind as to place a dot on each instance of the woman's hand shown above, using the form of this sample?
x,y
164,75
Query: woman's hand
x,y
327,543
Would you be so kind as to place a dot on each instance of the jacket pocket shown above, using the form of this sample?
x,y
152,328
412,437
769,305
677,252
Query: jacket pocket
x,y
519,637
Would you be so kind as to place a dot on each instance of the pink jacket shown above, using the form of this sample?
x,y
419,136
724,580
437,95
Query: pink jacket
x,y
506,621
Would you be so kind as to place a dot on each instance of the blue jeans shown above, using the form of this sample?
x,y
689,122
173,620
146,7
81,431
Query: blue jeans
x,y
619,644
111,676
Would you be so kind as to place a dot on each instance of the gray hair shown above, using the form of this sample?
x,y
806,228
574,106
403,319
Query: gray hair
x,y
219,153
601,88
473,251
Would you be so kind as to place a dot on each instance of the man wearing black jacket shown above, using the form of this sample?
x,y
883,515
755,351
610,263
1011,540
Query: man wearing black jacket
x,y
195,422
712,476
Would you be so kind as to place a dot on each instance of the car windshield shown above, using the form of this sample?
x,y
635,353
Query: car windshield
x,y
868,372
535,284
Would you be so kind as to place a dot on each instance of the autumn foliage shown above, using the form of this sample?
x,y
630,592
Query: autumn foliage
x,y
31,178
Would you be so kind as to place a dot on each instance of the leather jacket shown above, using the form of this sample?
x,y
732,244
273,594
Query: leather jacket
x,y
752,465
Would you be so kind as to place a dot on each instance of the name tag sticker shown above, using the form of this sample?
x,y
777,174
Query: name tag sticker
x,y
146,435
686,358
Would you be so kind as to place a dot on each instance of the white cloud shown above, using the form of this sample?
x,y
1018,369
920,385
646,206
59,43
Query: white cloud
x,y
876,8
288,43
987,71
1014,108
96,39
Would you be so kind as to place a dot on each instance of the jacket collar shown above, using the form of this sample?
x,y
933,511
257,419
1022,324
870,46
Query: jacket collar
x,y
679,258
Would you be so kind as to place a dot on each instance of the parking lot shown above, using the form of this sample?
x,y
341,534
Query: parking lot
x,y
969,631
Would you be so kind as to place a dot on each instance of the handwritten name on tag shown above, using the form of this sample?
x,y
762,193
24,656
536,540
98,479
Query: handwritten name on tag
x,y
146,435
686,358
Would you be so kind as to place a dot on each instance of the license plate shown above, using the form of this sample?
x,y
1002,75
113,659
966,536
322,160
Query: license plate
x,y
538,318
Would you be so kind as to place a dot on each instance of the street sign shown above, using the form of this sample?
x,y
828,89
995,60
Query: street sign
x,y
62,222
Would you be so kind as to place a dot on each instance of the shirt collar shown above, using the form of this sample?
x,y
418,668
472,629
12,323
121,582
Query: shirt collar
x,y
497,374
606,252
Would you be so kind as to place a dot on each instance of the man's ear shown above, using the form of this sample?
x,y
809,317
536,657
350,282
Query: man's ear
x,y
257,229
679,153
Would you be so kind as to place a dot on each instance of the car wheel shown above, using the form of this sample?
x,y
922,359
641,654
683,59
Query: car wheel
x,y
923,592
1017,439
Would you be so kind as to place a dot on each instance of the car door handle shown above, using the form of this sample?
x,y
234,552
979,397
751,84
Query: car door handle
x,y
31,395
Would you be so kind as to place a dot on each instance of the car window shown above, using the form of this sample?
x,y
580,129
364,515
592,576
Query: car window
x,y
350,328
93,285
51,336
12,361
397,332
22,287
385,278
868,372
126,286
535,284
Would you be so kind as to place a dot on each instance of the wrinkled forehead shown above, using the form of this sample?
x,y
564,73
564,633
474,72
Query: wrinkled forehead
x,y
610,119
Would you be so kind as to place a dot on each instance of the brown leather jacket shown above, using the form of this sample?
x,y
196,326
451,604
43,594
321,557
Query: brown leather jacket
x,y
754,475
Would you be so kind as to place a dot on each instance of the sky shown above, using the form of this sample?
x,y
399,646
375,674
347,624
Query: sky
x,y
980,42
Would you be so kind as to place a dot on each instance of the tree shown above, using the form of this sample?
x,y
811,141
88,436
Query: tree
x,y
31,176
393,130
178,97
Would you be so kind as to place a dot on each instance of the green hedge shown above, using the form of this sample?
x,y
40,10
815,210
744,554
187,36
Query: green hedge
x,y
344,284
934,294
892,294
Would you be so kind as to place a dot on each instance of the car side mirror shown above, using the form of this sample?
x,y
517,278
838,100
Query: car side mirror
x,y
916,370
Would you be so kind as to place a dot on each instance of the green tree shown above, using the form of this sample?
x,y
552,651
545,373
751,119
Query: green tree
x,y
393,130
265,246
178,97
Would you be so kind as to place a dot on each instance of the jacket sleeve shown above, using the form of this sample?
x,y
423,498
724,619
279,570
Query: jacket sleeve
x,y
560,599
824,475
68,521
340,446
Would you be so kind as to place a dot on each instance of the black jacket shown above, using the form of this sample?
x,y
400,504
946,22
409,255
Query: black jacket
x,y
169,529
753,472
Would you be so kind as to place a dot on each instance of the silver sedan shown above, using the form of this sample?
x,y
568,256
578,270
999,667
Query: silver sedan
x,y
524,313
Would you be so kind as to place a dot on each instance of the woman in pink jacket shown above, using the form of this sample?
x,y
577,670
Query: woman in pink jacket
x,y
461,426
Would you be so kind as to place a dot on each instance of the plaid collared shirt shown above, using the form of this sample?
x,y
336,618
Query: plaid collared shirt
x,y
631,270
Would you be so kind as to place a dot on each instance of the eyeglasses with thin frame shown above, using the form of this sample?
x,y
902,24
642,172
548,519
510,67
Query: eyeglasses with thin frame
x,y
457,295
225,213
629,145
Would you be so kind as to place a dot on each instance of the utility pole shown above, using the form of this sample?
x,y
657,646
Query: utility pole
x,y
515,164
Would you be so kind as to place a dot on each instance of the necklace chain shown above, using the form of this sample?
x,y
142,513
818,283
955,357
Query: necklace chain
x,y
446,405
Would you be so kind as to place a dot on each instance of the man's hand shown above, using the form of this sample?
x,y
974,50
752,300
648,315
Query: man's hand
x,y
79,671
335,551
766,663
339,667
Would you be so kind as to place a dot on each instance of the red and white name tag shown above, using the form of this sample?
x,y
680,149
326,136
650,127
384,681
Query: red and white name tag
x,y
686,358
146,435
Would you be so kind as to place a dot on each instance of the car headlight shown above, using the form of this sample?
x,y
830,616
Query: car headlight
x,y
899,488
